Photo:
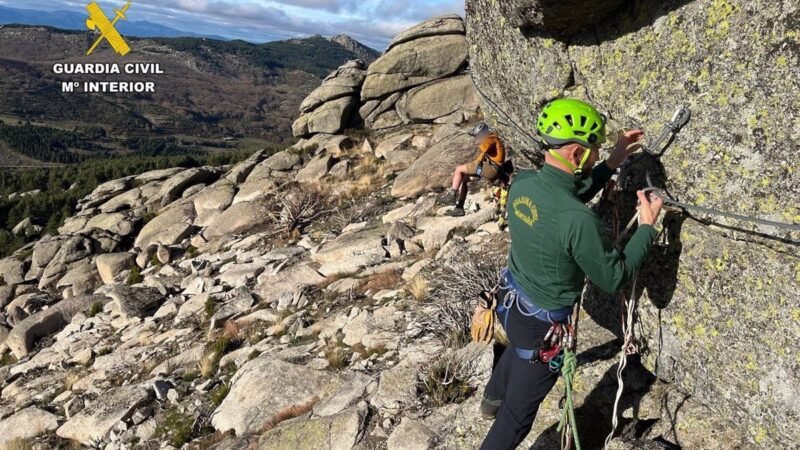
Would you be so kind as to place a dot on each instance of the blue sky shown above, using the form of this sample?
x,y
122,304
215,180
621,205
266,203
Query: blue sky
x,y
372,22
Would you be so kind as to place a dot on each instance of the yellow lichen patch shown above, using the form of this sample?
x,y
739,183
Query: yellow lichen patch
x,y
751,363
782,61
761,435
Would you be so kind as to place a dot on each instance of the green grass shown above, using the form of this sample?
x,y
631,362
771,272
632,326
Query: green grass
x,y
95,309
176,427
135,277
6,359
219,394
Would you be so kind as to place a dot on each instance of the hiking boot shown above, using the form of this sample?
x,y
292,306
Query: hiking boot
x,y
489,408
457,212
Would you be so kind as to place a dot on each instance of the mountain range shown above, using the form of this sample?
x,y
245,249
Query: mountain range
x,y
211,89
70,20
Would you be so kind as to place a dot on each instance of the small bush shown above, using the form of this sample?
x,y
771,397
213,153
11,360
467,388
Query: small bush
x,y
446,381
95,309
418,288
390,279
337,358
231,330
215,350
17,444
366,353
154,261
290,211
135,276
210,307
177,427
190,376
454,289
7,359
192,252
219,394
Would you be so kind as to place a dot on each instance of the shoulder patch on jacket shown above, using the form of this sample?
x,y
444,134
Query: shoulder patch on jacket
x,y
525,210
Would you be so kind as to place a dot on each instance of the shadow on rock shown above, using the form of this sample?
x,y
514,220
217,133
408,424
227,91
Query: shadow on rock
x,y
594,415
607,20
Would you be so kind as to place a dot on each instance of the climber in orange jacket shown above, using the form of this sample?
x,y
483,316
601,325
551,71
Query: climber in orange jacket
x,y
488,164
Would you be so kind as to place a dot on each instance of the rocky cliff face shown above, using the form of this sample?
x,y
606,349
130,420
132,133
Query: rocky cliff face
x,y
363,52
718,290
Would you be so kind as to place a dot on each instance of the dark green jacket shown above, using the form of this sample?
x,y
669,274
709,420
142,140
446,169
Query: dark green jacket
x,y
557,241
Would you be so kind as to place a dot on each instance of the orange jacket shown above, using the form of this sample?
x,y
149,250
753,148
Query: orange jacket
x,y
493,149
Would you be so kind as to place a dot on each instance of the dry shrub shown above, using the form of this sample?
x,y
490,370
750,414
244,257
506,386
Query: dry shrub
x,y
454,288
366,353
290,412
389,279
446,380
208,364
336,356
418,288
17,444
292,209
207,442
231,330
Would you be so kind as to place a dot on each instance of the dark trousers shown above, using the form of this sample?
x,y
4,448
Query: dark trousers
x,y
520,385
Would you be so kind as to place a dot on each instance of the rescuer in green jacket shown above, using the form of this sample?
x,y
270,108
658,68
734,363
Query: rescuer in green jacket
x,y
556,242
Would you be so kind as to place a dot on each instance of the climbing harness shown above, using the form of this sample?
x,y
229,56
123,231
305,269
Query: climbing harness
x,y
556,351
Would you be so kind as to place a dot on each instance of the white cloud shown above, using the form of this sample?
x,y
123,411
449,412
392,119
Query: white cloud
x,y
373,22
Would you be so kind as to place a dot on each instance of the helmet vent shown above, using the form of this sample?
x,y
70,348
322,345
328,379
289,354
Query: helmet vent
x,y
544,114
580,133
569,119
583,121
594,127
549,129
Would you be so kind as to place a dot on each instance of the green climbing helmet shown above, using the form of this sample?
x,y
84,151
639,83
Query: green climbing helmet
x,y
567,121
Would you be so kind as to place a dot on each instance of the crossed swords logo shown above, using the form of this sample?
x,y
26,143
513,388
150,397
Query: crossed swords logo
x,y
98,21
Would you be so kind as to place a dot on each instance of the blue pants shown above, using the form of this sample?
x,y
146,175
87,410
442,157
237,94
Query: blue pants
x,y
520,384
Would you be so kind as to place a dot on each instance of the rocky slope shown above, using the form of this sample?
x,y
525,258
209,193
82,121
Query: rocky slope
x,y
316,298
718,289
209,88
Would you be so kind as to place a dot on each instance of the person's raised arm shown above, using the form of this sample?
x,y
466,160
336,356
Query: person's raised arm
x,y
600,261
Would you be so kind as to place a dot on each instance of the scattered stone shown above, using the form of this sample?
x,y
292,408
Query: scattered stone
x,y
29,423
411,435
339,432
265,386
111,265
97,419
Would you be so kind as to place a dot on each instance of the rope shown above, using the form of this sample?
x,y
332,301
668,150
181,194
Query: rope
x,y
568,423
532,141
628,348
568,426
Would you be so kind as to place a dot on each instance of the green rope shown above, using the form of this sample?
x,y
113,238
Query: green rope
x,y
568,413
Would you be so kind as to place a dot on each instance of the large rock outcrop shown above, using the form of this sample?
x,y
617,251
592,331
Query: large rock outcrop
x,y
330,107
711,294
419,78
